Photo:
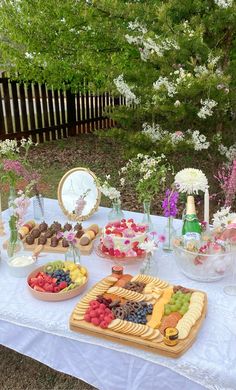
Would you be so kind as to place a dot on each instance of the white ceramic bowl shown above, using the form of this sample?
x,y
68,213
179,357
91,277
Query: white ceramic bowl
x,y
21,271
204,267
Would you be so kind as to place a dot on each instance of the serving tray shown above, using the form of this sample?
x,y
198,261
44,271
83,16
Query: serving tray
x,y
79,325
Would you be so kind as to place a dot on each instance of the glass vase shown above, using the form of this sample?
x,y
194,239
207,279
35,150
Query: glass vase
x,y
38,206
11,198
146,216
14,243
73,254
116,214
169,233
149,266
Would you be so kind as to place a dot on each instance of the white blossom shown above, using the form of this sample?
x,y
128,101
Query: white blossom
x,y
224,3
148,246
206,109
229,153
153,131
8,146
110,192
223,217
125,90
177,103
176,137
163,81
199,141
137,26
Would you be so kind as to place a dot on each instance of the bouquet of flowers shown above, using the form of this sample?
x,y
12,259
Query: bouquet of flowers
x,y
107,190
146,173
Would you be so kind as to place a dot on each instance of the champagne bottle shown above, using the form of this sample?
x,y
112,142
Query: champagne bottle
x,y
191,230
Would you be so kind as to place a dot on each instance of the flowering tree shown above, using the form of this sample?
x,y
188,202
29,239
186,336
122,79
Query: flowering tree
x,y
174,61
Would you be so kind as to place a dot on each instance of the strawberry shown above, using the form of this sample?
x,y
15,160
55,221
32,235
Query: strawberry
x,y
48,287
108,231
38,288
130,220
111,252
33,282
135,243
40,281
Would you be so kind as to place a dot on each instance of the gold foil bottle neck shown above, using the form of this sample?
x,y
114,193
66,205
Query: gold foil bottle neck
x,y
190,206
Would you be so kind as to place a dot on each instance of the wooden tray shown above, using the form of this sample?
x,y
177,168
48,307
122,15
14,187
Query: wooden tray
x,y
133,341
84,250
54,297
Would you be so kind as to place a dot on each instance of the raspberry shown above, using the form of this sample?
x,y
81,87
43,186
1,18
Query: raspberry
x,y
100,311
88,311
95,305
93,313
103,324
102,306
87,318
95,321
91,302
107,311
108,319
101,317
56,289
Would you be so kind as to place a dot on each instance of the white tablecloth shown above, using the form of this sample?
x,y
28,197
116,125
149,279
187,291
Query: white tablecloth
x,y
40,330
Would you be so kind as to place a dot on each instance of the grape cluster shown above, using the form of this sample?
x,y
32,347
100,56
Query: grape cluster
x,y
179,302
140,316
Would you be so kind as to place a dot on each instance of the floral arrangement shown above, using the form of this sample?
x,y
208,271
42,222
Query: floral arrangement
x,y
13,160
169,204
107,190
146,173
222,218
190,181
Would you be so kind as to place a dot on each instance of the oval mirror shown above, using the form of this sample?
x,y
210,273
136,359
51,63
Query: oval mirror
x,y
78,194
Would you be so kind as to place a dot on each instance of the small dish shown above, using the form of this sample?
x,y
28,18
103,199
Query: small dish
x,y
54,297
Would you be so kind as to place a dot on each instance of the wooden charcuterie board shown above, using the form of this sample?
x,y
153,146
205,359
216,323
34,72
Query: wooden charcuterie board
x,y
80,325
84,250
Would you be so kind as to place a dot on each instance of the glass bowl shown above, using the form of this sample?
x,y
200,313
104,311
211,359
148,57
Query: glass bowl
x,y
204,267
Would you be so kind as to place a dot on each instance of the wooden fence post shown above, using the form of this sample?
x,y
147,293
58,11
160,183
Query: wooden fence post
x,y
71,113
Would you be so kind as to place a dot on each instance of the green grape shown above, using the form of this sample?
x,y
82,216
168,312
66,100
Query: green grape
x,y
172,301
173,308
178,304
167,311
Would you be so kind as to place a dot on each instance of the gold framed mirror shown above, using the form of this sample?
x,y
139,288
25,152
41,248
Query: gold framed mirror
x,y
78,194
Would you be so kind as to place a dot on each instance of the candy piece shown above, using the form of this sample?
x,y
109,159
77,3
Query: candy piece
x,y
68,226
95,228
65,243
42,240
91,234
29,240
85,240
35,233
54,242
48,233
43,227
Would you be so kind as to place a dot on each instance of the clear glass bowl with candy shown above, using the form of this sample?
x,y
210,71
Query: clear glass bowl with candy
x,y
207,260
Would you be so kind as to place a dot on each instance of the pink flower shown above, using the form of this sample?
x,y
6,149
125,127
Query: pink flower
x,y
127,242
13,165
179,133
162,238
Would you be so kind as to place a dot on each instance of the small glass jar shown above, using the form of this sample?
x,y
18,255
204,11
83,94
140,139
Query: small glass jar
x,y
116,214
38,206
149,266
73,254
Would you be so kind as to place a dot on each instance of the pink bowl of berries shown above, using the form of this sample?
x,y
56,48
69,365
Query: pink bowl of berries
x,y
57,281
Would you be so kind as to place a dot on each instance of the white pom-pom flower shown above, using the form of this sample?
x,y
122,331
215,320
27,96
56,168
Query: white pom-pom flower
x,y
191,181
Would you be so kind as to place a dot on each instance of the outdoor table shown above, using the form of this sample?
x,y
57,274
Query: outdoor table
x,y
41,329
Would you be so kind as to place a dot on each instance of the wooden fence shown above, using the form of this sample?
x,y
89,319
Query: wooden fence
x,y
47,114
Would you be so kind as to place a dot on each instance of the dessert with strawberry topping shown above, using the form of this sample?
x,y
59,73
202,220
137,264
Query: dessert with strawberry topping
x,y
122,238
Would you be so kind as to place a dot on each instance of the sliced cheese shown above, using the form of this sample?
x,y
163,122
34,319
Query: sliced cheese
x,y
158,309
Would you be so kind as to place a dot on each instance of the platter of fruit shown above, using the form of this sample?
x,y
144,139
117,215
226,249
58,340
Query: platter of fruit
x,y
57,281
142,311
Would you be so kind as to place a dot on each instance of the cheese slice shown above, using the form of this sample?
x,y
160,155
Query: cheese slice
x,y
158,309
